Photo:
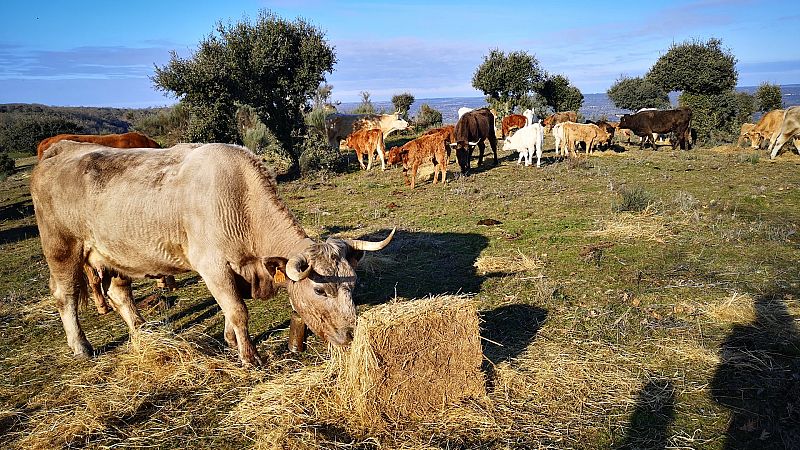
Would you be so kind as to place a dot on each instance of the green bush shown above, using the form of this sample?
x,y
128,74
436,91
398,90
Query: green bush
x,y
769,97
317,156
168,126
262,141
402,103
633,199
427,117
366,106
637,93
714,116
315,120
22,135
6,166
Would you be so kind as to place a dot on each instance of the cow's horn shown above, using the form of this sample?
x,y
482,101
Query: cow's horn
x,y
369,246
294,268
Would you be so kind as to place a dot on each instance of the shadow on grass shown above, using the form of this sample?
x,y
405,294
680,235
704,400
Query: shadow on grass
x,y
16,211
758,377
417,264
654,413
18,234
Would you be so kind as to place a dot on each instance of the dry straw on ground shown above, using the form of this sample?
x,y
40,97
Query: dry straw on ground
x,y
514,263
625,226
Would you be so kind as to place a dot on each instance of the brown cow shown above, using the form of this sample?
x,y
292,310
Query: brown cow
x,y
213,209
511,122
472,129
428,147
588,133
645,123
745,133
448,136
125,140
610,128
339,126
566,116
133,139
367,142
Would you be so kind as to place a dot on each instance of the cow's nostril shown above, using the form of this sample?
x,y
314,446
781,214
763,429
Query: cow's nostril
x,y
348,334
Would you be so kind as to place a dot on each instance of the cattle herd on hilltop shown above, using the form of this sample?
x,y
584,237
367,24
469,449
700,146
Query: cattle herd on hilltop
x,y
113,207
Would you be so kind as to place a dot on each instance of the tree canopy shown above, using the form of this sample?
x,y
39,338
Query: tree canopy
x,y
696,67
271,64
508,78
769,97
402,103
560,95
637,93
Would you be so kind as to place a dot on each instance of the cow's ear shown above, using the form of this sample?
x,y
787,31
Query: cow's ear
x,y
276,267
255,273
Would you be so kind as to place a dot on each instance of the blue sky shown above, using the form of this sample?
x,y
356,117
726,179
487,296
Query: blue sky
x,y
100,53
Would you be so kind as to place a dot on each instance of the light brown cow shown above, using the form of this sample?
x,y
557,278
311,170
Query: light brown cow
x,y
339,126
745,133
789,129
126,140
428,147
447,133
767,126
566,116
588,133
367,142
211,208
511,122
133,139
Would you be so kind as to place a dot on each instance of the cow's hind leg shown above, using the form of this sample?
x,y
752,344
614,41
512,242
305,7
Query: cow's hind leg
x,y
95,284
121,296
68,286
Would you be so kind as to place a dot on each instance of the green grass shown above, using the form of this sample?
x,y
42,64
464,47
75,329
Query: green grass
x,y
641,327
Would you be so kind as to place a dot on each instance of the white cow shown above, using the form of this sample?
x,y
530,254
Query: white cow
x,y
463,110
526,140
528,115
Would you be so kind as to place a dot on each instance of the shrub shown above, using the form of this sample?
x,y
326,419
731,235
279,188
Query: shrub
x,y
366,106
637,93
633,199
402,103
315,120
169,126
317,156
262,141
714,116
23,136
769,97
427,117
6,166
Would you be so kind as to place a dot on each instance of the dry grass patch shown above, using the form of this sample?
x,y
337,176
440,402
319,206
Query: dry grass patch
x,y
515,263
625,226
737,309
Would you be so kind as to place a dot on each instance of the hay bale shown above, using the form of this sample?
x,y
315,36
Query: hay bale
x,y
411,359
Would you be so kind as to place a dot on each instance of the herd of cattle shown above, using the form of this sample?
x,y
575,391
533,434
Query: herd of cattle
x,y
116,207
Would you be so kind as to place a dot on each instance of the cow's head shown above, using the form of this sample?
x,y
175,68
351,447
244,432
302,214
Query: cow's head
x,y
320,281
394,156
623,121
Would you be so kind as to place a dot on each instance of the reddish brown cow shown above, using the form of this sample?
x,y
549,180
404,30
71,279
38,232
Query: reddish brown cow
x,y
511,122
125,140
428,147
566,116
367,142
447,133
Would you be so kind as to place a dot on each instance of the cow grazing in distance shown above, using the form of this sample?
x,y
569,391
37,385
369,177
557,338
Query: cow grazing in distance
x,y
789,129
428,147
645,123
766,127
339,126
566,116
472,129
133,139
526,140
744,133
367,142
511,122
210,208
126,140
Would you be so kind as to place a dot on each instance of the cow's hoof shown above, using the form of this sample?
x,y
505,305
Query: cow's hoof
x,y
84,351
103,309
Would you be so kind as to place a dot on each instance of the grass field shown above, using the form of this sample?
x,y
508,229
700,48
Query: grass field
x,y
637,299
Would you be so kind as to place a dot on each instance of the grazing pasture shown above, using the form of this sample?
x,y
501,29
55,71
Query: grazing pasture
x,y
637,299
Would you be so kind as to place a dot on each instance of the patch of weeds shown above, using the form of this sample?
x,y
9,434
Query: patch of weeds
x,y
751,158
578,163
633,199
684,202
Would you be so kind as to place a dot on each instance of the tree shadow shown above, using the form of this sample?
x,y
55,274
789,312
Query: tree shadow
x,y
18,234
418,264
758,377
16,211
654,413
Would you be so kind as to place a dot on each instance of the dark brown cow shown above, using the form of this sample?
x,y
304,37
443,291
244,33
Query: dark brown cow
x,y
472,129
561,117
511,122
645,123
125,140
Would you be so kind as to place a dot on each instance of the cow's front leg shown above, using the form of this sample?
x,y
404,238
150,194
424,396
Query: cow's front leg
x,y
382,156
482,148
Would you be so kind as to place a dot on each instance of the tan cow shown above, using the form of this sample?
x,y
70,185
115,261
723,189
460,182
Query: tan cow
x,y
789,129
566,116
339,126
428,147
767,126
367,142
588,133
211,208
745,133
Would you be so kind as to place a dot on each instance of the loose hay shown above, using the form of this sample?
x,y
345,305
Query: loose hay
x,y
625,226
410,359
508,264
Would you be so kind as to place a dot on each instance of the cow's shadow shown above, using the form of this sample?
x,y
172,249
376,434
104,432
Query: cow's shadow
x,y
418,264
654,413
18,234
758,377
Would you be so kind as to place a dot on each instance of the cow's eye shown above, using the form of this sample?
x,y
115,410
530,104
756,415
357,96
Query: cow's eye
x,y
319,291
